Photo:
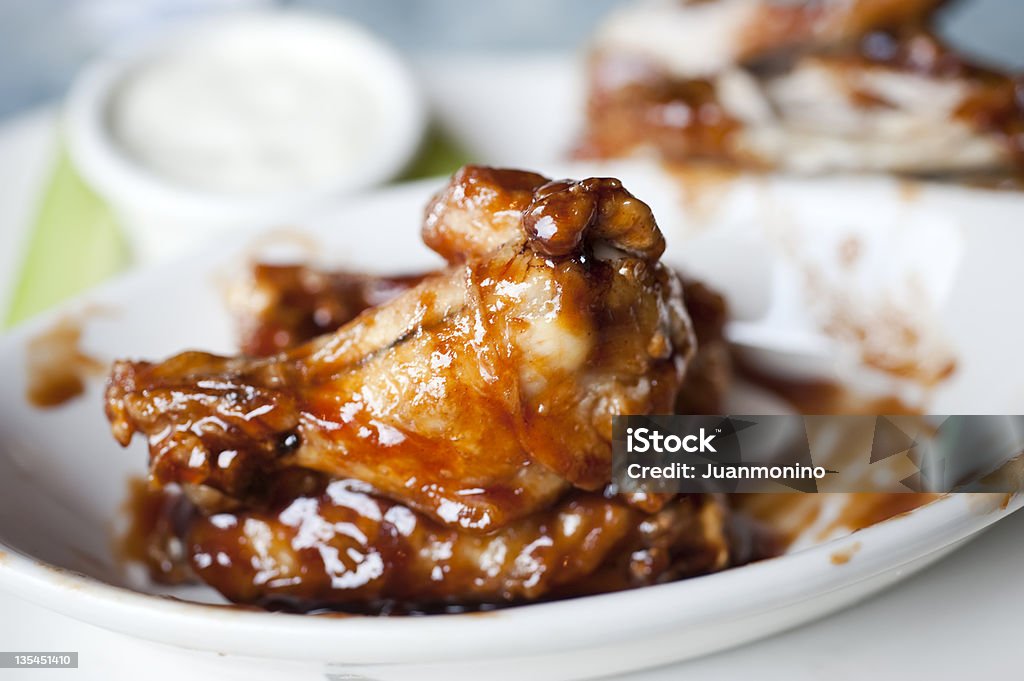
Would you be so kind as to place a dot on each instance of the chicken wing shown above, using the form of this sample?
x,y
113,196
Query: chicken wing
x,y
280,306
338,546
809,86
476,397
700,38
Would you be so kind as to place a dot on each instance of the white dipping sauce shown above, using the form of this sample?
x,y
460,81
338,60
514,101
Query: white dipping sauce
x,y
249,107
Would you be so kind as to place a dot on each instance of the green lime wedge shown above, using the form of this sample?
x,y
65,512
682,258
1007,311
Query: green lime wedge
x,y
73,244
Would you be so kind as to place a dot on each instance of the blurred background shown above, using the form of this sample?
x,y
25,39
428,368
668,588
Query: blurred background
x,y
501,83
44,42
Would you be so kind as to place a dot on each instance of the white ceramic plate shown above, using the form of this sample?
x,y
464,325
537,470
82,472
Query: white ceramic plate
x,y
63,479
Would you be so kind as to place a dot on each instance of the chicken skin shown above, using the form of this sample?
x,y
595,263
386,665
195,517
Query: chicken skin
x,y
476,397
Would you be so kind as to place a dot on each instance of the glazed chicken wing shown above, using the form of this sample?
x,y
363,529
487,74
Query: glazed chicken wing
x,y
338,546
701,38
279,306
808,86
476,397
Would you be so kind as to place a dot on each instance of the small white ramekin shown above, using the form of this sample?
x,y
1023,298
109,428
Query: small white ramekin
x,y
162,217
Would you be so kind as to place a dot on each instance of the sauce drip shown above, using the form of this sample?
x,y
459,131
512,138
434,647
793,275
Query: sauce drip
x,y
155,519
843,556
823,397
57,368
794,515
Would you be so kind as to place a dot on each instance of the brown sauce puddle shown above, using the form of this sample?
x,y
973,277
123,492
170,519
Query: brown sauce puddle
x,y
823,397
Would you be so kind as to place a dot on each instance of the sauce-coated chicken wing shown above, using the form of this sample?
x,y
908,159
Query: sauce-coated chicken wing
x,y
809,86
338,546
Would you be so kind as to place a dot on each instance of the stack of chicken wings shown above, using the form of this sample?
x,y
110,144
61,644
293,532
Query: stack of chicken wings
x,y
442,439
